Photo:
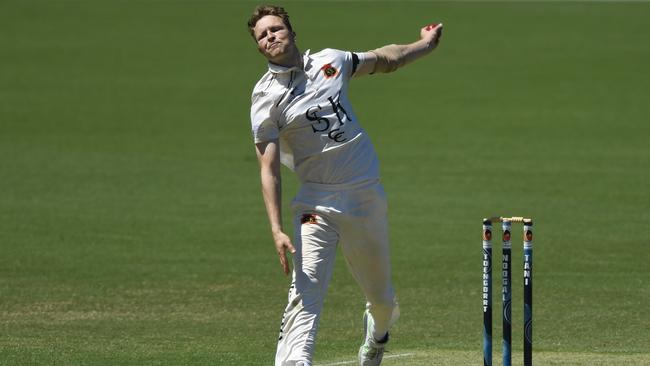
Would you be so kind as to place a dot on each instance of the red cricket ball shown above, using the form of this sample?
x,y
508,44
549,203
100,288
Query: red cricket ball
x,y
431,26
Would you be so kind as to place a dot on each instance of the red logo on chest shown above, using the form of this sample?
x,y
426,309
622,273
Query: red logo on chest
x,y
329,70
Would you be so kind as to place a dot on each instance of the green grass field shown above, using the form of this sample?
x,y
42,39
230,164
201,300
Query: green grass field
x,y
132,229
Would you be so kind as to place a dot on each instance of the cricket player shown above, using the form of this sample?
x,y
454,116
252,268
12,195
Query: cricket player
x,y
301,117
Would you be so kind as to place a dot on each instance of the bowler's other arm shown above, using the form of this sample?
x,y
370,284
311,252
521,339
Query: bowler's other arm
x,y
268,155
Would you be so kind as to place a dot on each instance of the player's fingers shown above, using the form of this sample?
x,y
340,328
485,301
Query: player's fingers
x,y
292,250
283,261
285,265
438,34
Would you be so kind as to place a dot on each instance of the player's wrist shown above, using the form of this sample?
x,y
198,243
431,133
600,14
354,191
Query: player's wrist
x,y
276,230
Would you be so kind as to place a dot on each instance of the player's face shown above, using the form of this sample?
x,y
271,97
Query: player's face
x,y
274,40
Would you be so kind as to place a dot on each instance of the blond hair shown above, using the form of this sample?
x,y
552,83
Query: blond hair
x,y
264,10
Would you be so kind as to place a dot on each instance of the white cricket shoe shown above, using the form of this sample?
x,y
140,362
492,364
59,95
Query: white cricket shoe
x,y
371,351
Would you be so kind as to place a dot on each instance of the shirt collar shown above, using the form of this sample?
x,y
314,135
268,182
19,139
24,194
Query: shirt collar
x,y
277,69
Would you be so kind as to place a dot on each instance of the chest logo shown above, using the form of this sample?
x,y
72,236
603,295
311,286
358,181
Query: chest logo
x,y
329,70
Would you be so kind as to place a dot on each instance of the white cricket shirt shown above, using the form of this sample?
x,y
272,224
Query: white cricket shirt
x,y
309,112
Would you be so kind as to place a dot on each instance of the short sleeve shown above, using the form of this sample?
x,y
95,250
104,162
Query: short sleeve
x,y
263,126
358,60
354,61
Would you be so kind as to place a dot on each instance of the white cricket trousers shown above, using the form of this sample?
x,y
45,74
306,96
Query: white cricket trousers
x,y
326,216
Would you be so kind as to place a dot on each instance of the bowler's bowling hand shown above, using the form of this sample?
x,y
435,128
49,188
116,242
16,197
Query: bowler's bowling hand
x,y
431,34
282,244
